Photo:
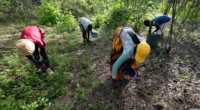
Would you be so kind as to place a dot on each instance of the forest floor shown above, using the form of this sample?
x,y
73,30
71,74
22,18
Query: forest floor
x,y
166,81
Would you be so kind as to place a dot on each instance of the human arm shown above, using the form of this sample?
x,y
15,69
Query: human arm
x,y
149,29
42,32
44,55
157,28
80,26
36,63
154,22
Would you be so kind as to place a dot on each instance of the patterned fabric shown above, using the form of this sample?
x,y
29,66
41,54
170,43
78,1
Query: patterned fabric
x,y
127,42
117,44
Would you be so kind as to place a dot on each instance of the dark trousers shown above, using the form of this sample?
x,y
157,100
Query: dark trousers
x,y
35,58
86,33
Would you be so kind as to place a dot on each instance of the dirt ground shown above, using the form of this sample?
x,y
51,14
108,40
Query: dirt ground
x,y
165,81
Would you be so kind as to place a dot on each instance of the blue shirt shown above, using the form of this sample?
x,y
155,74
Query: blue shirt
x,y
160,20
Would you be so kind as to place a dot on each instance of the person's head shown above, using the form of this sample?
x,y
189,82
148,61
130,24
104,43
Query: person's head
x,y
142,51
25,47
147,22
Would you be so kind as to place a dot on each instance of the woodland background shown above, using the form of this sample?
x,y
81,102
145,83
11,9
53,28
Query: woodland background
x,y
169,79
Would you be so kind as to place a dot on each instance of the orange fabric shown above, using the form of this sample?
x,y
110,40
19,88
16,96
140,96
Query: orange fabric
x,y
118,76
117,44
134,65
115,56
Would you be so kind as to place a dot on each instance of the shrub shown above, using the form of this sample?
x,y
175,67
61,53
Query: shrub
x,y
69,24
99,20
117,16
49,14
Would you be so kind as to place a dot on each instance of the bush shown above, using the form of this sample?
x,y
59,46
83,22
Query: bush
x,y
117,16
49,14
134,15
69,24
99,20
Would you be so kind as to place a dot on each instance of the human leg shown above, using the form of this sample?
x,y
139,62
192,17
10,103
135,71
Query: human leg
x,y
84,36
115,67
36,63
89,30
46,59
46,65
35,59
36,53
83,32
160,33
88,36
161,40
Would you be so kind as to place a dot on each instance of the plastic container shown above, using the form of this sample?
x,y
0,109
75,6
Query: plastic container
x,y
94,34
128,73
152,40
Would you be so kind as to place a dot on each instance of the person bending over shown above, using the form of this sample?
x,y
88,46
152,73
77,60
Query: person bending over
x,y
160,22
86,28
133,47
29,44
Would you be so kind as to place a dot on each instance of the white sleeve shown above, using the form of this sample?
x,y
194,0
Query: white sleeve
x,y
142,39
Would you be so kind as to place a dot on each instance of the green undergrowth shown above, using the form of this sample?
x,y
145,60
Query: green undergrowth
x,y
22,87
74,78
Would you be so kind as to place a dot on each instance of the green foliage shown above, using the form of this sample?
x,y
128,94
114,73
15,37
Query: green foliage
x,y
81,8
98,106
162,6
156,62
134,16
22,88
20,85
10,103
81,94
20,10
36,104
141,11
69,24
183,77
188,12
99,20
49,14
135,108
183,9
117,16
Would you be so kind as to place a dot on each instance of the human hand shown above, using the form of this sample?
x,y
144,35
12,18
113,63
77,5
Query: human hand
x,y
43,67
38,66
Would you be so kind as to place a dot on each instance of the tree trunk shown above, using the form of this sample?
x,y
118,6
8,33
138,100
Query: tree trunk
x,y
167,8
